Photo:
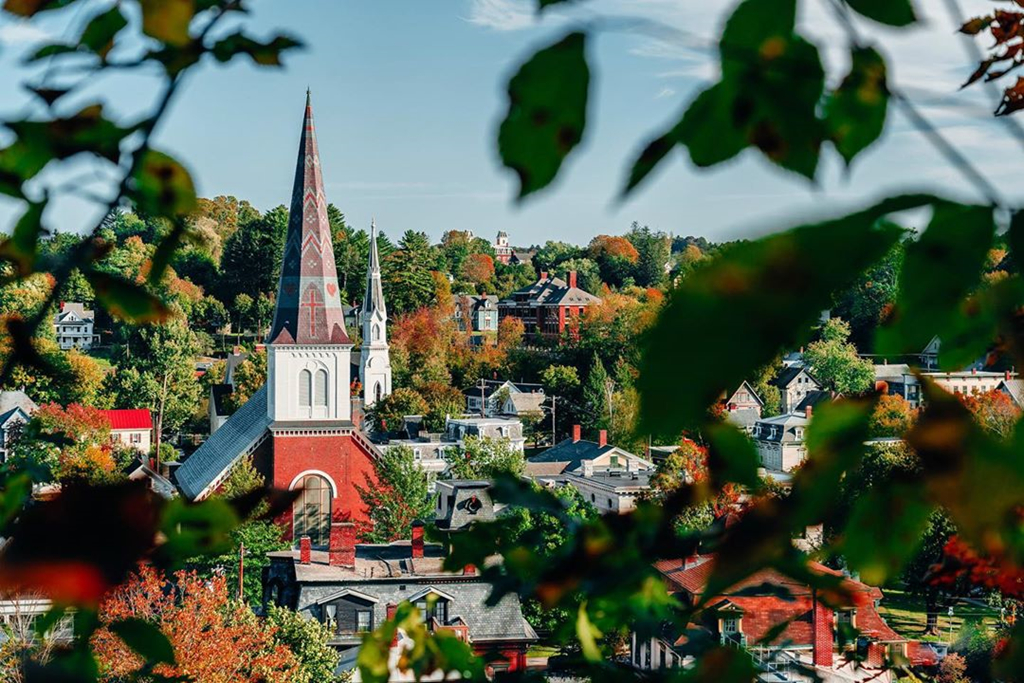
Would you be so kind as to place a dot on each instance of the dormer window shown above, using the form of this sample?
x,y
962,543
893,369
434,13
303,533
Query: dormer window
x,y
436,609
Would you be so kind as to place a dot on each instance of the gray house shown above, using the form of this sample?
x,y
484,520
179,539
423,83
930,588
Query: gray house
x,y
504,397
476,312
795,383
780,440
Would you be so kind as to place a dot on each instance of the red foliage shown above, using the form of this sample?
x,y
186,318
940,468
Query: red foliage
x,y
1007,54
614,247
478,268
214,638
961,560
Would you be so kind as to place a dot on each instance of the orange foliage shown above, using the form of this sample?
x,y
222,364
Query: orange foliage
x,y
215,639
961,560
994,410
612,246
478,268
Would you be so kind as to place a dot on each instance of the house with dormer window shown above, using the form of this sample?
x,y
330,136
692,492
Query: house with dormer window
x,y
73,325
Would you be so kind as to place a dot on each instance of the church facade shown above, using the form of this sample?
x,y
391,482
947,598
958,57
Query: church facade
x,y
299,429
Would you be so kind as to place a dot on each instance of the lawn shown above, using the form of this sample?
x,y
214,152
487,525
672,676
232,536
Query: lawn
x,y
905,613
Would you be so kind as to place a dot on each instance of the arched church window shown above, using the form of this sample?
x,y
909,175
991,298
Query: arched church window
x,y
376,333
377,391
311,511
305,389
320,393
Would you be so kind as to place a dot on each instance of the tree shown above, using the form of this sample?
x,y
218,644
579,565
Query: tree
x,y
835,363
387,415
552,254
308,641
214,638
653,252
482,457
396,496
597,398
892,416
864,303
588,274
615,256
511,332
251,263
993,410
156,370
443,401
408,284
249,377
478,268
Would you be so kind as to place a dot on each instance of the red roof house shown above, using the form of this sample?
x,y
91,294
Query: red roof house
x,y
131,427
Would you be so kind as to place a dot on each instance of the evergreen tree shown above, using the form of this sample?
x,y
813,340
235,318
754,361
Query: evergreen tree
x,y
408,284
654,250
251,263
596,406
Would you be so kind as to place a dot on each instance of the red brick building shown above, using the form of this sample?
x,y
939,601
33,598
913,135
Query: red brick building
x,y
745,614
547,306
299,429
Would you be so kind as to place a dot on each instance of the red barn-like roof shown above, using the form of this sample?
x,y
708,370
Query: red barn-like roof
x,y
136,418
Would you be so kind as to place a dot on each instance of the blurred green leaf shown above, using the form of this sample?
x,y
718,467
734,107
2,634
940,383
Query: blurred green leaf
x,y
162,186
165,251
13,496
891,12
168,20
28,8
145,638
22,247
750,303
982,319
194,529
588,635
264,54
855,111
51,50
99,33
940,269
126,299
884,530
732,456
706,129
651,155
547,112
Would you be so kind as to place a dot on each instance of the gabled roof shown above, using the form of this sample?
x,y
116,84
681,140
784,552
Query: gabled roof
x,y
242,431
15,400
790,373
812,399
1014,388
554,291
134,418
749,389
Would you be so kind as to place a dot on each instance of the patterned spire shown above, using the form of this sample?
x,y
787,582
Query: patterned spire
x,y
308,299
374,299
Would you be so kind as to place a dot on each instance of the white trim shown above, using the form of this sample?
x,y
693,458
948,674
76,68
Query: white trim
x,y
321,473
345,592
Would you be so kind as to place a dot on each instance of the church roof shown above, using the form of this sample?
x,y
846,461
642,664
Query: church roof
x,y
373,301
237,436
309,308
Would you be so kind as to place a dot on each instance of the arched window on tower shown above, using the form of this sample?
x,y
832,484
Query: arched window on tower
x,y
376,333
377,392
305,389
311,511
320,389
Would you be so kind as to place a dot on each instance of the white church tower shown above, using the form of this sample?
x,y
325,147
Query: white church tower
x,y
374,361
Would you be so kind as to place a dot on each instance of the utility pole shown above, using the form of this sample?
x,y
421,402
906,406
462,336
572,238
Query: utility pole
x,y
241,570
554,437
483,401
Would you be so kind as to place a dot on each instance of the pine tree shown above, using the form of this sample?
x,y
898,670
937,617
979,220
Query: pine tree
x,y
596,391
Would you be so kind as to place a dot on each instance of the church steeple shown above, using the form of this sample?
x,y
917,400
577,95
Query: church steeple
x,y
374,359
309,307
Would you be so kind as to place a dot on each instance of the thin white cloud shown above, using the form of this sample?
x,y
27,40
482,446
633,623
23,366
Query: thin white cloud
x,y
21,33
502,15
665,92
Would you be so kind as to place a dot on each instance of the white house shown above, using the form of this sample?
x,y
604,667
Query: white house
x,y
15,408
74,327
132,427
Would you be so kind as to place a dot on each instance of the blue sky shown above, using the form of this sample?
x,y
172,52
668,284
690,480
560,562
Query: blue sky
x,y
407,96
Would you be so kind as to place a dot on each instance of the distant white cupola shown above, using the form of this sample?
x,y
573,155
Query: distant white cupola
x,y
374,360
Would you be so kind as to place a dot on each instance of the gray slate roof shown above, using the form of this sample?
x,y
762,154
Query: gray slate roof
x,y
15,400
572,452
223,448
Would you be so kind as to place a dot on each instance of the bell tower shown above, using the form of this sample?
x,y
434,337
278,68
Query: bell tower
x,y
374,360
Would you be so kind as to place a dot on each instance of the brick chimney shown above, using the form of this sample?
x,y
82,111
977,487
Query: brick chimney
x,y
305,550
343,544
543,275
575,433
602,438
572,278
417,539
808,411
469,570
1006,376
821,622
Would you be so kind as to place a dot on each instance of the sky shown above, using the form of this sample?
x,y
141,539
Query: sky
x,y
407,97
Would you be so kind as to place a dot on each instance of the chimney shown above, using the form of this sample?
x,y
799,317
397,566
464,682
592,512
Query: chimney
x,y
343,545
391,609
808,411
572,278
305,550
974,371
543,275
821,622
237,350
1007,376
588,468
575,433
62,306
602,438
469,570
417,540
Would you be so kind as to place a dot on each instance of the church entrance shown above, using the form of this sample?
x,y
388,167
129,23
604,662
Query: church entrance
x,y
311,511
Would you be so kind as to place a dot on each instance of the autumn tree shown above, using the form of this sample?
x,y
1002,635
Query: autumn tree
x,y
994,410
249,377
615,256
478,268
214,638
443,401
892,416
396,496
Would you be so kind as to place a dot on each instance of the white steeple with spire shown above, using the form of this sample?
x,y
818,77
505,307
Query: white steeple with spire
x,y
374,361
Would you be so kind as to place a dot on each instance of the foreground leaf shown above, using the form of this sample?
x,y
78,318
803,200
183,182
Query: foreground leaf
x,y
162,186
855,112
22,247
146,639
263,53
884,530
168,20
126,299
891,12
547,112
741,310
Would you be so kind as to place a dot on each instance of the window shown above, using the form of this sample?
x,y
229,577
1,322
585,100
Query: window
x,y
730,626
438,610
311,511
320,393
376,333
614,461
305,389
136,437
364,620
417,454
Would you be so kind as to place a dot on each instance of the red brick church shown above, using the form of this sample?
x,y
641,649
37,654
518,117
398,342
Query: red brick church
x,y
298,429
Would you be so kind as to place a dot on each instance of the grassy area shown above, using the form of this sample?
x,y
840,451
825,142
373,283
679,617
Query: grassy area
x,y
906,614
542,651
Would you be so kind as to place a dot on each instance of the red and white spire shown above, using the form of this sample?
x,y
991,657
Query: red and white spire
x,y
309,309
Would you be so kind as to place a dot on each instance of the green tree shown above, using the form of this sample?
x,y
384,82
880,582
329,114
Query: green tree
x,y
387,415
251,263
553,253
588,275
308,640
864,303
398,495
835,363
597,392
408,284
482,457
654,250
